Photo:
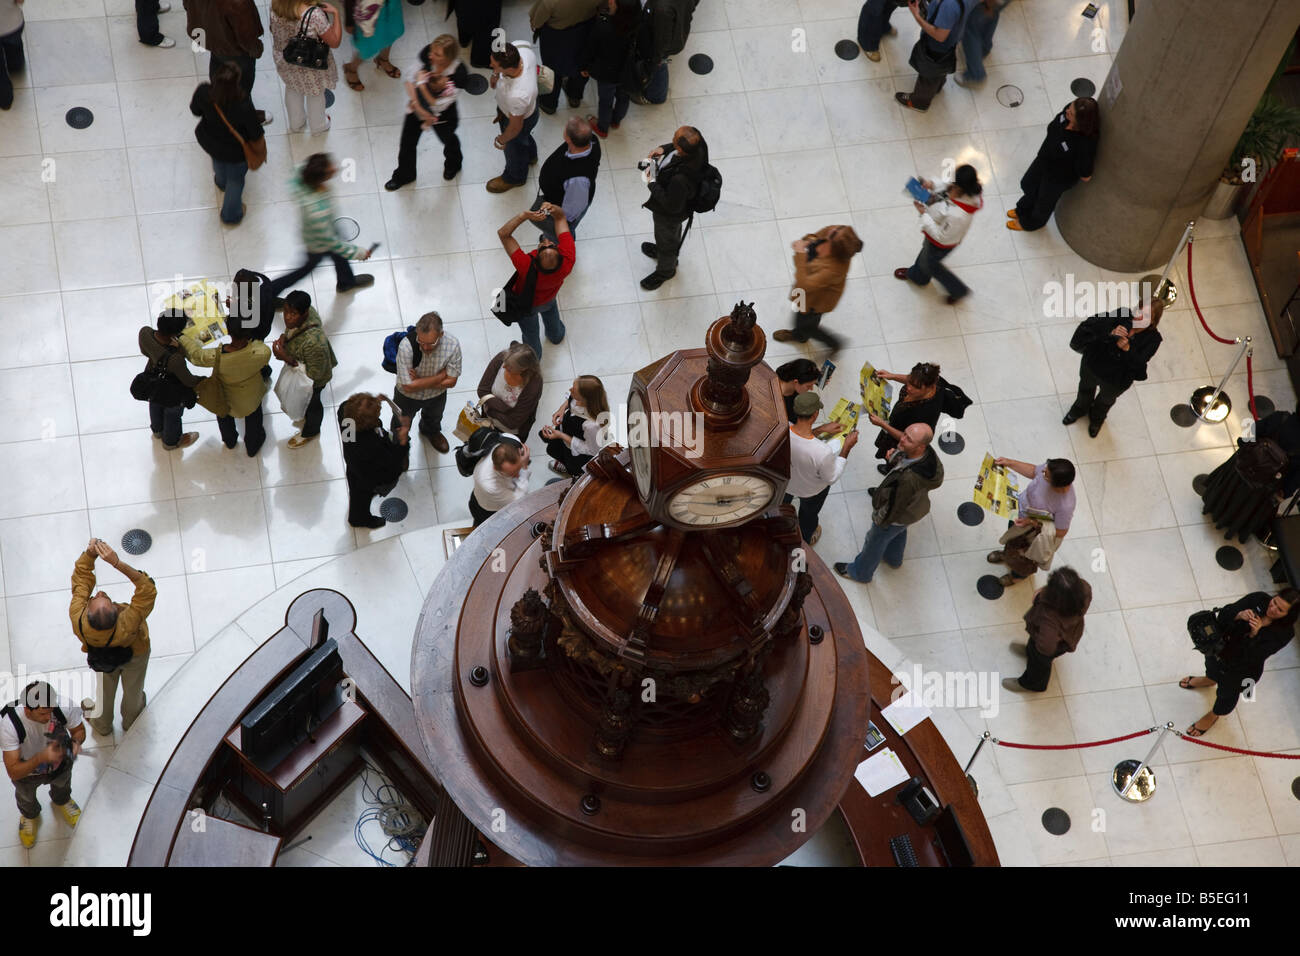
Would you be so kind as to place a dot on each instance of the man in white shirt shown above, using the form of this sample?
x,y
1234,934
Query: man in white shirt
x,y
499,479
514,77
814,465
40,737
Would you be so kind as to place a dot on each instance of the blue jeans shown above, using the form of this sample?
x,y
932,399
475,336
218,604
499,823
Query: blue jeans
x,y
656,87
230,177
873,23
977,41
887,542
166,421
611,104
519,151
550,318
929,265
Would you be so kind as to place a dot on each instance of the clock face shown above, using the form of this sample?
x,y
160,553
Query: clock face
x,y
639,449
720,500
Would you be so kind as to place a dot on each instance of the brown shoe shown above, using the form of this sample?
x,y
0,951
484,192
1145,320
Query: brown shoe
x,y
440,443
783,335
997,557
499,185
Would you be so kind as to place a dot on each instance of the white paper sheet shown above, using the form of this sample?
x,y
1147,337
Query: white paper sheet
x,y
905,713
880,772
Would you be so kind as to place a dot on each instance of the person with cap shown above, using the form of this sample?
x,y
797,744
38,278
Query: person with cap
x,y
114,636
814,465
40,737
902,499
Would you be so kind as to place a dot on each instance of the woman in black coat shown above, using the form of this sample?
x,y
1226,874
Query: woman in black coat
x,y
1065,158
374,458
221,105
1243,505
605,58
919,400
1116,348
1257,627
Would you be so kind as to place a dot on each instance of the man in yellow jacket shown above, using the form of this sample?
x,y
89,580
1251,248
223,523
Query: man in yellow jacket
x,y
114,636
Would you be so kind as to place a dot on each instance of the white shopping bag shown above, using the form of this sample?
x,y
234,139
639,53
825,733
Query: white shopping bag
x,y
293,388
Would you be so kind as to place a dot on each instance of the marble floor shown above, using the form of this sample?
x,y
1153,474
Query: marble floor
x,y
101,223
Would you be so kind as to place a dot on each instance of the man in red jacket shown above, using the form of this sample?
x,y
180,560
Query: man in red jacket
x,y
231,31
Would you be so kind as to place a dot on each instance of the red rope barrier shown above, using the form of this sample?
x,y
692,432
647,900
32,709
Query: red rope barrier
x,y
1235,750
1250,386
1191,291
1250,372
1095,743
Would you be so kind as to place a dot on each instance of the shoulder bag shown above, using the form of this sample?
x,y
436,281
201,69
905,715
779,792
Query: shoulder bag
x,y
931,63
517,305
254,152
305,50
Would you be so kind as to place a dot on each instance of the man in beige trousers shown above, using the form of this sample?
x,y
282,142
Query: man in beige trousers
x,y
115,636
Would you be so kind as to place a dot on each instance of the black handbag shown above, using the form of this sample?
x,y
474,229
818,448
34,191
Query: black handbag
x,y
517,305
108,658
157,384
307,51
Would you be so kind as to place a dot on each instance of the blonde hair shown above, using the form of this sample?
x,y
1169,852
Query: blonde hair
x,y
447,44
286,9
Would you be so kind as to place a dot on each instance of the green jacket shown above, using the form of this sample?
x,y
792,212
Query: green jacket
x,y
308,346
236,386
904,496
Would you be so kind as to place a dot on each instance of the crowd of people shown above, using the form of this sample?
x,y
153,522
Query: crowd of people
x,y
624,46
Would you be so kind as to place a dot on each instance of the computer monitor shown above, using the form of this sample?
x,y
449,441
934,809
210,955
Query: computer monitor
x,y
950,839
294,708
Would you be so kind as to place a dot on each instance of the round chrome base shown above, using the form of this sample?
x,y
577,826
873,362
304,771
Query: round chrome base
x,y
1210,412
1141,790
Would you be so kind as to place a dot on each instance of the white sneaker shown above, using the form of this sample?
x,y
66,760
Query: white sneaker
x,y
164,7
167,43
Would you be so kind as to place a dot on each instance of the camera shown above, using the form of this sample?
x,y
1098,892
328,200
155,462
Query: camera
x,y
643,165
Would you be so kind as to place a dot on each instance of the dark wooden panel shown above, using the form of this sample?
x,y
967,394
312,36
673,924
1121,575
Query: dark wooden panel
x,y
222,843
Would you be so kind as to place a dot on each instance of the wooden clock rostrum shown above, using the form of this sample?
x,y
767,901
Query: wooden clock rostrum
x,y
658,685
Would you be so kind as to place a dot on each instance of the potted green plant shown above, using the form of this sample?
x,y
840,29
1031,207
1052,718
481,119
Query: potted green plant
x,y
1270,128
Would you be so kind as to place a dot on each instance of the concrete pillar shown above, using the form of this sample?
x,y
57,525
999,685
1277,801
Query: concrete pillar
x,y
1184,82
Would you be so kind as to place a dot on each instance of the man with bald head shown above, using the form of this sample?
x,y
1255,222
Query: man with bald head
x,y
568,177
902,499
114,636
673,174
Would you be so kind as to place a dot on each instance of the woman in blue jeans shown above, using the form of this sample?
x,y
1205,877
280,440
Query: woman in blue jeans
x,y
162,347
606,58
223,109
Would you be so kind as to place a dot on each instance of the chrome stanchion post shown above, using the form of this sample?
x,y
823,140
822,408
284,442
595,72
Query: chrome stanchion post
x,y
984,738
1164,289
1208,402
1130,772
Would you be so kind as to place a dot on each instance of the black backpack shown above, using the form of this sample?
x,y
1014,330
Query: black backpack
x,y
955,401
11,711
1262,462
708,191
480,445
